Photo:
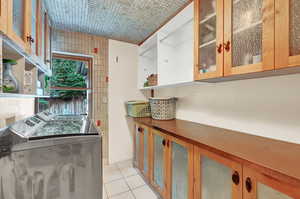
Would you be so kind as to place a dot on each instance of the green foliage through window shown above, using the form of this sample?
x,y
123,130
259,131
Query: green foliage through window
x,y
70,74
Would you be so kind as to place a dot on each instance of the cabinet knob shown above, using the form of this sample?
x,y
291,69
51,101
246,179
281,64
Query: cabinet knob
x,y
248,184
140,129
220,48
164,142
236,178
30,39
227,46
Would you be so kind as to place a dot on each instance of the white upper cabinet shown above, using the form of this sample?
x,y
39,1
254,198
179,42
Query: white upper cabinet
x,y
169,54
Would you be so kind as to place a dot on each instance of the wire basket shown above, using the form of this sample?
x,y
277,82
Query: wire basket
x,y
138,109
163,108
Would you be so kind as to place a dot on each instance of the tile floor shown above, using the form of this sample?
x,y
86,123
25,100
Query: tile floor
x,y
122,181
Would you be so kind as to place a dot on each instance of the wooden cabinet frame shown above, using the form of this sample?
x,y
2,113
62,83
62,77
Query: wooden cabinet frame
x,y
190,150
163,192
219,41
3,16
282,40
21,41
268,39
237,190
256,177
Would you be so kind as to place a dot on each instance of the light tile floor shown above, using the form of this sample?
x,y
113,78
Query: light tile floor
x,y
122,181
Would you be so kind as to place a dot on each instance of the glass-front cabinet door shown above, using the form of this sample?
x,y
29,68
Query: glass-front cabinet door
x,y
208,39
35,33
19,22
3,16
181,169
145,133
159,162
248,36
287,19
216,177
260,186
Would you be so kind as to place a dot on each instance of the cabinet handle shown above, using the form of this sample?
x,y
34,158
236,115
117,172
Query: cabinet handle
x,y
164,142
30,39
248,184
168,143
140,129
227,46
220,48
236,178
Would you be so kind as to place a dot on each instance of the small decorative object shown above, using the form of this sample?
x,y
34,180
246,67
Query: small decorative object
x,y
163,108
138,109
152,80
213,5
28,80
247,59
256,59
10,83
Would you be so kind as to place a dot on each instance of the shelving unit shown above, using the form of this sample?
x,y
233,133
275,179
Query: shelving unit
x,y
147,60
169,52
27,71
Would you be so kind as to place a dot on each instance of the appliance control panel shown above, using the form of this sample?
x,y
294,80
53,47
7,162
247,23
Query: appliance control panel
x,y
27,126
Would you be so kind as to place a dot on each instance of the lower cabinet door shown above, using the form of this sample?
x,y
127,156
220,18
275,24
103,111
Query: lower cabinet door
x,y
181,169
145,134
137,148
216,177
159,162
260,186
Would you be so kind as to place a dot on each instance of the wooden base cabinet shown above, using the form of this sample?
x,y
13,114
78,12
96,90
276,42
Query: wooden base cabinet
x,y
260,186
3,16
178,169
216,176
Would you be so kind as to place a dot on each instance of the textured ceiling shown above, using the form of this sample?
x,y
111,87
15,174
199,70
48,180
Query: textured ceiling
x,y
129,20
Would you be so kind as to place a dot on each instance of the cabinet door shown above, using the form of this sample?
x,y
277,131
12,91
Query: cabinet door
x,y
260,186
19,22
287,19
216,177
34,31
208,39
47,45
145,134
181,169
3,16
137,148
159,162
249,36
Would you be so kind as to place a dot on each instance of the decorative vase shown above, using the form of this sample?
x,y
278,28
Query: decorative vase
x,y
10,83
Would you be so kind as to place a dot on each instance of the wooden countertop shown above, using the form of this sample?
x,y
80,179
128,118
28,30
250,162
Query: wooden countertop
x,y
277,158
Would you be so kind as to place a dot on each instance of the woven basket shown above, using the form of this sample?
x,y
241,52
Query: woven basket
x,y
152,80
163,108
138,109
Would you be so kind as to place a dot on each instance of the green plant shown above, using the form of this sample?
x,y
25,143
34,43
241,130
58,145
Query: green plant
x,y
8,89
11,61
66,74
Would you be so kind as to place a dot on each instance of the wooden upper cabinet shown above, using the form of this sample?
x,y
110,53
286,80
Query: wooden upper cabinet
x,y
287,27
216,176
3,16
208,39
248,36
35,32
18,29
259,186
47,38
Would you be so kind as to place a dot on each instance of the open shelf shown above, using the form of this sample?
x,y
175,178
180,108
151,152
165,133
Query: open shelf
x,y
26,72
175,85
14,50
